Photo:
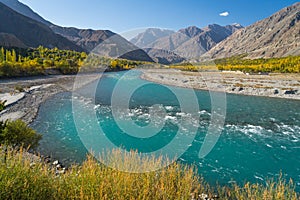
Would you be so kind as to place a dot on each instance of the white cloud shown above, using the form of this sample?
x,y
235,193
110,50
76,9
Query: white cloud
x,y
224,14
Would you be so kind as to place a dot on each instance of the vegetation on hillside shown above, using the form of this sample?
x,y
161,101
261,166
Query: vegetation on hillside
x,y
289,64
30,62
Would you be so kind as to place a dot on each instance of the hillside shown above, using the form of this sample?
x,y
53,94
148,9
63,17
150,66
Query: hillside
x,y
24,10
150,35
192,42
275,36
10,40
103,42
30,32
67,37
86,38
163,56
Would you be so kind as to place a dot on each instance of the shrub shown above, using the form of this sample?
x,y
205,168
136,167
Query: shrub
x,y
17,134
2,105
19,88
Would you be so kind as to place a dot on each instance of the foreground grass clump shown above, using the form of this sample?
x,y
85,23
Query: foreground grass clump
x,y
18,133
22,177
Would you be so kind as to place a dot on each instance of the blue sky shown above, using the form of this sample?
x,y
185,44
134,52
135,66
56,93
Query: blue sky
x,y
124,15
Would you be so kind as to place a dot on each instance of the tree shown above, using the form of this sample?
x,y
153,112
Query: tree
x,y
2,55
7,56
47,63
113,64
17,134
13,56
19,58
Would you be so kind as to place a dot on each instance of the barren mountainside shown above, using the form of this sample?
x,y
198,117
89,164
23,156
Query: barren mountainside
x,y
21,30
275,36
10,40
144,39
24,10
163,56
41,32
192,42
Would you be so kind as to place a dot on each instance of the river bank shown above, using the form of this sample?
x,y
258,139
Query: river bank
x,y
25,95
271,85
25,104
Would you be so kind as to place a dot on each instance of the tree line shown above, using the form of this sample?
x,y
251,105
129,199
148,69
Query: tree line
x,y
15,62
290,64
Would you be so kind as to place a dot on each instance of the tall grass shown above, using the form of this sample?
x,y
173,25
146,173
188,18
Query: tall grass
x,y
23,178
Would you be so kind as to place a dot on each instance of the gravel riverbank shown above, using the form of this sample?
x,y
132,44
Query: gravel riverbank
x,y
271,85
35,90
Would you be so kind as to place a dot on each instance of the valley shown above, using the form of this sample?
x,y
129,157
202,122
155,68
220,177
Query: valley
x,y
94,107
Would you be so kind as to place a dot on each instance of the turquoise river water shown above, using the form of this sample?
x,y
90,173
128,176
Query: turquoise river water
x,y
260,138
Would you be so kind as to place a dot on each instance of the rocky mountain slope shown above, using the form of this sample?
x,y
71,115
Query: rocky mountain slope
x,y
150,35
78,39
21,30
10,40
275,36
113,45
163,56
192,42
24,10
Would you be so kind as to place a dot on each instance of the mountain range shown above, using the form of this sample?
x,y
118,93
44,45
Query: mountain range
x,y
150,35
190,42
275,36
26,28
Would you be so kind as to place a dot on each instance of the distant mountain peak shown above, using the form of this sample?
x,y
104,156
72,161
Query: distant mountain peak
x,y
144,39
192,42
191,31
237,25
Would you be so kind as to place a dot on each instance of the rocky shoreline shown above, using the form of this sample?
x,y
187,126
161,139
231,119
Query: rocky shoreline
x,y
25,104
34,91
270,85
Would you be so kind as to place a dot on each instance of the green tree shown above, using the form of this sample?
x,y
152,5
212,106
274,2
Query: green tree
x,y
7,56
17,134
2,55
19,58
47,63
13,56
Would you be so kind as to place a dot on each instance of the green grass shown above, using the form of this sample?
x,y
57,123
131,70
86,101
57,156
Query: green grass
x,y
21,179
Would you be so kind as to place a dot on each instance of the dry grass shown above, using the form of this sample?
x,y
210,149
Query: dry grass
x,y
21,179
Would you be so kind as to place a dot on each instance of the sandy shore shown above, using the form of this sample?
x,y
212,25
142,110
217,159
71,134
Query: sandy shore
x,y
272,85
25,105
